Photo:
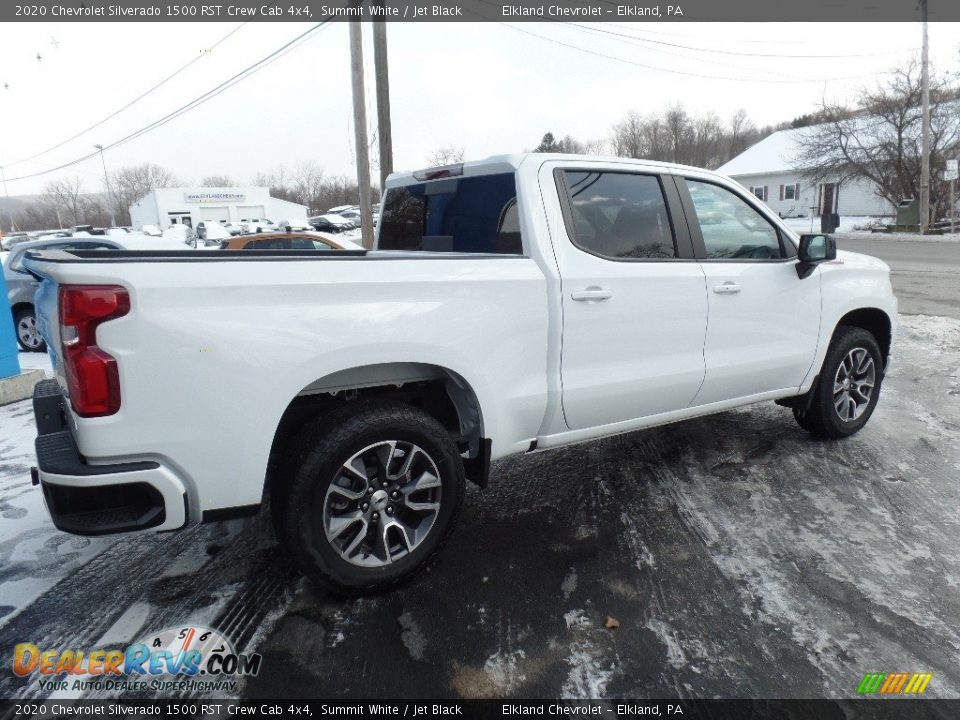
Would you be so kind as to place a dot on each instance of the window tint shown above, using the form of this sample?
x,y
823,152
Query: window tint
x,y
467,214
619,215
731,228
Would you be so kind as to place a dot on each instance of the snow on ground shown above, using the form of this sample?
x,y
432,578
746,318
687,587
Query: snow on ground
x,y
35,361
858,226
27,536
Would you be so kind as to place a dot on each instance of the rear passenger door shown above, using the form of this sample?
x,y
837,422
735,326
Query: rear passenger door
x,y
634,298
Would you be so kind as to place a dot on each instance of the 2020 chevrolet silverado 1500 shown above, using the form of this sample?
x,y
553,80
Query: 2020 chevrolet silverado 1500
x,y
513,304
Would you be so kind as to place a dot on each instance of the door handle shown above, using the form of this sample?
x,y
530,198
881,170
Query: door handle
x,y
591,294
728,288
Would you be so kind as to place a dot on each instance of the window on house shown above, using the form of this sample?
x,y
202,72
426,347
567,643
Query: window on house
x,y
760,191
789,192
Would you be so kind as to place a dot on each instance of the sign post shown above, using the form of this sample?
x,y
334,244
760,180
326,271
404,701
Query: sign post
x,y
951,174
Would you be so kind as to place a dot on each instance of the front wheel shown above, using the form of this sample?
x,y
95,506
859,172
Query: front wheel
x,y
28,336
373,492
849,386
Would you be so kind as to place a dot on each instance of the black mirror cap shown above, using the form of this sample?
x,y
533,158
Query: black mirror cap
x,y
815,249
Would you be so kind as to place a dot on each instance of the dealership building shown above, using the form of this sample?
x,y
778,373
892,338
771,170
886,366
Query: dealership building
x,y
190,205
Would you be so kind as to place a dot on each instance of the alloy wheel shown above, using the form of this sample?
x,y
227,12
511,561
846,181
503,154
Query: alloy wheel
x,y
382,503
853,384
27,332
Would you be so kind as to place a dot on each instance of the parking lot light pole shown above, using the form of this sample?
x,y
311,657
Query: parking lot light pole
x,y
106,179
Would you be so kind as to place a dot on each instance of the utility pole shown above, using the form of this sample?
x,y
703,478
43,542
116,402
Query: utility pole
x,y
384,131
106,179
3,173
360,132
925,143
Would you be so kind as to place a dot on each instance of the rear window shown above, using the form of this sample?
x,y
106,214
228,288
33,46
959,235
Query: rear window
x,y
466,214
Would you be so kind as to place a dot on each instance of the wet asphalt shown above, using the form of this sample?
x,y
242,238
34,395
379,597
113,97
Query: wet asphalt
x,y
739,557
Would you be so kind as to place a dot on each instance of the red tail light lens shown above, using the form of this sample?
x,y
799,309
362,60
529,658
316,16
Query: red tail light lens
x,y
92,376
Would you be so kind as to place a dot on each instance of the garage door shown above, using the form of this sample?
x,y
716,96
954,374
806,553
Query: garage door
x,y
215,214
249,212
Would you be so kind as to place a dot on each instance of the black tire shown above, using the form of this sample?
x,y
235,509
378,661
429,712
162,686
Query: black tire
x,y
28,316
823,417
317,456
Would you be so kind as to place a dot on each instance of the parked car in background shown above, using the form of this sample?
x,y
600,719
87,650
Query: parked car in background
x,y
289,241
301,224
21,285
331,223
14,238
256,225
211,233
49,234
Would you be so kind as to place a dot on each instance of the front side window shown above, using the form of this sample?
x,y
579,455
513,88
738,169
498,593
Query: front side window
x,y
621,216
466,214
731,228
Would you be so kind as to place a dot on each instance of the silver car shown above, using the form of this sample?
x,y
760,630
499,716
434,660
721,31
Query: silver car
x,y
21,285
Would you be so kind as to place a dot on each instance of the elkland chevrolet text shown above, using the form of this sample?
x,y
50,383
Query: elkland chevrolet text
x,y
513,304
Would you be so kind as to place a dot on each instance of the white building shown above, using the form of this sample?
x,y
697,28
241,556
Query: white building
x,y
766,169
190,205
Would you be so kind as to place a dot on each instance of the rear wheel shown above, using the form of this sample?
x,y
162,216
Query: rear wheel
x,y
25,321
849,386
371,495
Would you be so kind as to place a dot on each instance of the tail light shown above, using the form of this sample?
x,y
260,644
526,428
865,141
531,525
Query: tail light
x,y
92,376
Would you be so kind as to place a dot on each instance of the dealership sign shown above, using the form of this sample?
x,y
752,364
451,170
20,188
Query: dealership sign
x,y
207,197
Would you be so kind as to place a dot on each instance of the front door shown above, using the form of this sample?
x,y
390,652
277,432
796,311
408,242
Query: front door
x,y
764,321
634,307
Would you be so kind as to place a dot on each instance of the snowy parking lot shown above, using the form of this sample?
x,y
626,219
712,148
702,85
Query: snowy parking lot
x,y
740,557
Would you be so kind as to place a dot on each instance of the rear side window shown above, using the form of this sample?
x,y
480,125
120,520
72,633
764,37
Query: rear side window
x,y
621,216
466,214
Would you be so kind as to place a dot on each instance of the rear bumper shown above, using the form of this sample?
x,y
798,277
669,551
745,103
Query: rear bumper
x,y
87,499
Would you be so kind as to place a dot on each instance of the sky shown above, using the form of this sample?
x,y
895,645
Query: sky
x,y
489,88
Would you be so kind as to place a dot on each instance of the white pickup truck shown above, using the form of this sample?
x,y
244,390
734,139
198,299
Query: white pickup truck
x,y
513,305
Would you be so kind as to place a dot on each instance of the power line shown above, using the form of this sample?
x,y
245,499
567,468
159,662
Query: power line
x,y
670,70
196,102
714,62
125,107
736,52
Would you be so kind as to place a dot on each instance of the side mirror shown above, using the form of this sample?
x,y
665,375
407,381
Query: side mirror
x,y
815,249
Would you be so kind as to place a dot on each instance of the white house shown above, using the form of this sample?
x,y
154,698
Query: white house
x,y
190,205
766,170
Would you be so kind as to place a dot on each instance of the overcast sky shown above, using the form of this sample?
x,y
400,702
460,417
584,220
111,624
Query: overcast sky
x,y
490,88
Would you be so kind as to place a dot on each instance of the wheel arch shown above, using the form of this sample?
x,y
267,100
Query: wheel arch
x,y
22,305
875,321
439,391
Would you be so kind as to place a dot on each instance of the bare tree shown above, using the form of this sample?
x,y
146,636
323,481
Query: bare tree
x,y
308,182
675,135
446,155
629,137
879,139
129,184
741,130
217,181
66,196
